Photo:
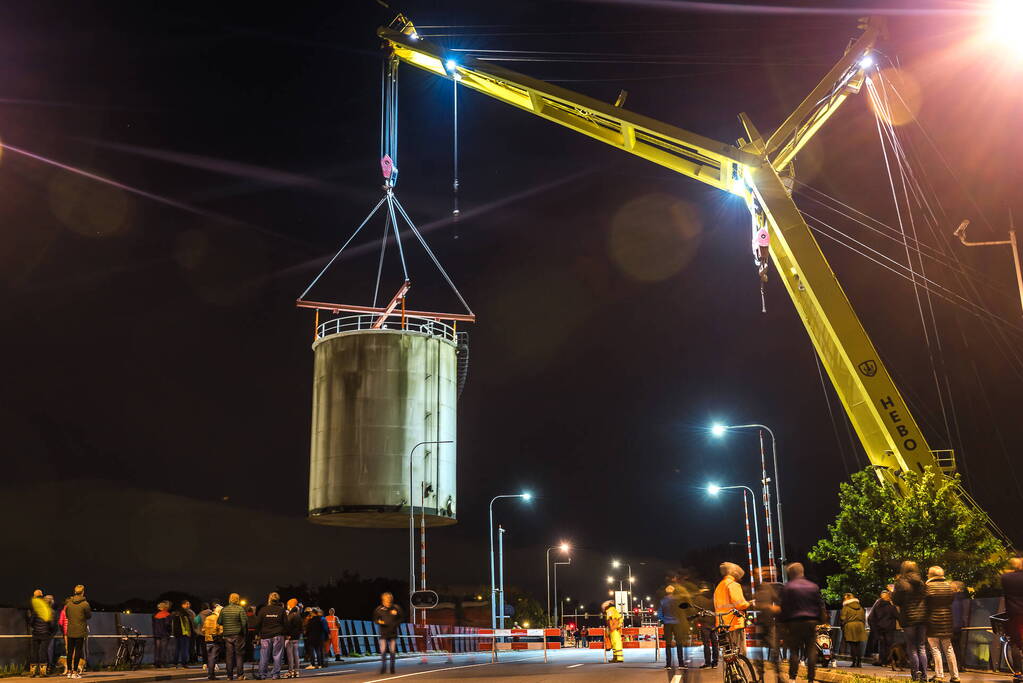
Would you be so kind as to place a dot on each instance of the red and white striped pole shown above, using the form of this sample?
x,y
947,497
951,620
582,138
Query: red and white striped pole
x,y
749,543
767,509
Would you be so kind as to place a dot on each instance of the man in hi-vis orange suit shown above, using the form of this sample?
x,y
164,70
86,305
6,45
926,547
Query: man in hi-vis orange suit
x,y
728,596
333,631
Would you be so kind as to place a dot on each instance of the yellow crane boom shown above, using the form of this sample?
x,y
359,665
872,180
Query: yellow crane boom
x,y
886,428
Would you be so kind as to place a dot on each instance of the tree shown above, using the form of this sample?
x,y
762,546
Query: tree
x,y
876,529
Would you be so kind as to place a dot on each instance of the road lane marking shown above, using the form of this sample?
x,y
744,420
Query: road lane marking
x,y
572,666
431,671
331,673
676,678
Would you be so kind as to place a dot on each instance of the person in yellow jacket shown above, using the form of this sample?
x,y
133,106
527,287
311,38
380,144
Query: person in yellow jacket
x,y
728,596
614,630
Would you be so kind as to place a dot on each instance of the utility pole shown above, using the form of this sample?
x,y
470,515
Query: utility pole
x,y
960,232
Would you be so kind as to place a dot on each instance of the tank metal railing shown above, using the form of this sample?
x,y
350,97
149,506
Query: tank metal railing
x,y
354,323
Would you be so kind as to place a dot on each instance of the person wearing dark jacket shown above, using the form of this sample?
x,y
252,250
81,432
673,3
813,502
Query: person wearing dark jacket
x,y
77,613
292,634
674,612
768,602
911,598
162,628
854,629
183,629
315,629
960,617
802,608
269,624
388,617
234,623
883,620
41,627
939,623
1012,590
708,636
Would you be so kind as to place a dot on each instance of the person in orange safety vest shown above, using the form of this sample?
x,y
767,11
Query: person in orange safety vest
x,y
728,596
333,640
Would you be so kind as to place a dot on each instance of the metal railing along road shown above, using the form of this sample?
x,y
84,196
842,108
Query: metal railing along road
x,y
396,321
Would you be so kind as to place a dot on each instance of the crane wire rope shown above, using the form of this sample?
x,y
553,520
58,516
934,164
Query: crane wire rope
x,y
928,325
998,334
898,268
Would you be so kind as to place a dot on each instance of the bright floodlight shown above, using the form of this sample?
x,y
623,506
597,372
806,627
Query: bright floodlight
x,y
867,61
414,36
632,579
616,564
526,496
450,65
718,429
610,579
1006,23
713,489
565,547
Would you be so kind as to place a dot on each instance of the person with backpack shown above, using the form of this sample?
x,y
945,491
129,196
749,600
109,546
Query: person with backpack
x,y
234,624
183,628
211,633
269,625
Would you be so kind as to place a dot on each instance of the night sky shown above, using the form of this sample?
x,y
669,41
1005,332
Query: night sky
x,y
155,404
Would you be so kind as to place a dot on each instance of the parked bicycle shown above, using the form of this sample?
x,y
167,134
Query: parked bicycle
x,y
130,649
999,627
735,666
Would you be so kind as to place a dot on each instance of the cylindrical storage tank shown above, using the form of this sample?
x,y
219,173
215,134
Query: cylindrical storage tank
x,y
377,394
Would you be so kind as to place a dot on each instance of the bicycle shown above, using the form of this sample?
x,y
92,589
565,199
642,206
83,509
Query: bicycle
x,y
735,666
999,623
130,649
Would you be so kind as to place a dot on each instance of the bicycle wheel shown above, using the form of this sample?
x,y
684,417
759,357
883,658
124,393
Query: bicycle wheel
x,y
739,670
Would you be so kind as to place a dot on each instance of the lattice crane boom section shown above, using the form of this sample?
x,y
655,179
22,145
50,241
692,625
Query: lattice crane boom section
x,y
882,420
693,155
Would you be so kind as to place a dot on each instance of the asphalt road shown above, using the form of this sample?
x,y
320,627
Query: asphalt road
x,y
577,665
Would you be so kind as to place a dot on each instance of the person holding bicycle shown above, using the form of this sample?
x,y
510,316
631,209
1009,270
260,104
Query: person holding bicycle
x,y
802,608
728,596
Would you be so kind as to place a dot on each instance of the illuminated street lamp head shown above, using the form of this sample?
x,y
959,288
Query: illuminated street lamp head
x,y
718,429
632,579
610,579
564,547
713,489
616,564
527,496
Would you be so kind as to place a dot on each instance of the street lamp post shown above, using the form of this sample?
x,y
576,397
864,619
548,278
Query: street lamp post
x,y
714,489
616,564
960,232
412,527
718,430
557,605
563,547
493,587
